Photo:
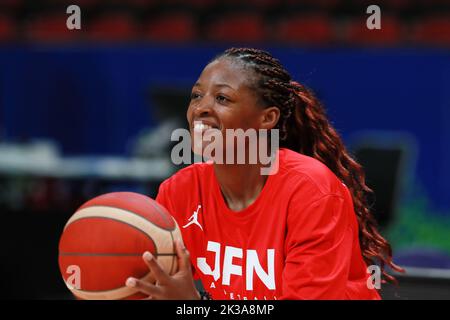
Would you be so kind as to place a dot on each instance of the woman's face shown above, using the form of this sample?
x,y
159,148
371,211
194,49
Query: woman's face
x,y
222,99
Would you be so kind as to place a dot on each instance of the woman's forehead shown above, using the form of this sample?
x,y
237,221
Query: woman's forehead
x,y
225,71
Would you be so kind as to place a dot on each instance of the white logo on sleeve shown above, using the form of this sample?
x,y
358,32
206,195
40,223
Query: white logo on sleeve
x,y
194,219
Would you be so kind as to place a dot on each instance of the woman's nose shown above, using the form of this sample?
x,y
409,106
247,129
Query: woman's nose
x,y
204,107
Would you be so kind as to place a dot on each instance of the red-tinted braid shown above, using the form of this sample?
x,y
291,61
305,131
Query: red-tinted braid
x,y
305,128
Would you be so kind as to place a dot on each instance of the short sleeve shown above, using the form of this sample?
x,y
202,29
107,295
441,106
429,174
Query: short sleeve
x,y
318,249
164,198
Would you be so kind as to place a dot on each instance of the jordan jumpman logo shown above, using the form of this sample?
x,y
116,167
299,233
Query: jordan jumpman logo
x,y
194,219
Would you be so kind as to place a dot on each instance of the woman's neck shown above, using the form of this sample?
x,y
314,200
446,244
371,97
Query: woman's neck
x,y
240,184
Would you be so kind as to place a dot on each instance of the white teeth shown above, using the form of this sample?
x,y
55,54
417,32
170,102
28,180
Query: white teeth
x,y
201,126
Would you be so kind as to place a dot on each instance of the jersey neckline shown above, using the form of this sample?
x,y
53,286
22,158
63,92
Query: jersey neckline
x,y
250,210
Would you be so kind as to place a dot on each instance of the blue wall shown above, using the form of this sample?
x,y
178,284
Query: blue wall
x,y
94,99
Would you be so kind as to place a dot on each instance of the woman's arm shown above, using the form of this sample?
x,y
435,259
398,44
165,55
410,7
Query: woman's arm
x,y
318,249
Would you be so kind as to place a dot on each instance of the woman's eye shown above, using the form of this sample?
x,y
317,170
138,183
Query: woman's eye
x,y
221,98
194,96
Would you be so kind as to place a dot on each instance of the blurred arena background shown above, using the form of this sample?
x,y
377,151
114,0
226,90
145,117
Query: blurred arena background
x,y
90,111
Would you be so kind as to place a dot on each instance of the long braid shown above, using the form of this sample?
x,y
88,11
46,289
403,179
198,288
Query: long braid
x,y
305,128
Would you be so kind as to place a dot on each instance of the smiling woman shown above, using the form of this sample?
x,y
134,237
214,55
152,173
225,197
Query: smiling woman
x,y
236,146
303,232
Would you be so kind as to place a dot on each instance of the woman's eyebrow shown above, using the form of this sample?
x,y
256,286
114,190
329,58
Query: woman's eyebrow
x,y
198,84
224,85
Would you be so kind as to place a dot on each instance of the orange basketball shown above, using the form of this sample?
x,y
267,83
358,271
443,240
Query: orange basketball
x,y
103,242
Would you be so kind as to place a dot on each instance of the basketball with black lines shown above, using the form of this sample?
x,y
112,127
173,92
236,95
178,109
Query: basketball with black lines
x,y
103,242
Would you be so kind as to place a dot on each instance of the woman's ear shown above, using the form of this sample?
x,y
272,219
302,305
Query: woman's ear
x,y
270,117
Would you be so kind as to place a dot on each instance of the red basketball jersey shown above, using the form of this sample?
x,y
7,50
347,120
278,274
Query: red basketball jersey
x,y
297,240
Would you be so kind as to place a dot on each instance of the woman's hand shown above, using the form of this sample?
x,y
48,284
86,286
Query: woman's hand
x,y
179,286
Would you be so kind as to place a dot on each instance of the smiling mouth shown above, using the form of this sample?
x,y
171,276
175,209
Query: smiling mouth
x,y
200,127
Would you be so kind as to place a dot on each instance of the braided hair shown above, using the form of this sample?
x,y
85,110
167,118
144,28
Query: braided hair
x,y
305,128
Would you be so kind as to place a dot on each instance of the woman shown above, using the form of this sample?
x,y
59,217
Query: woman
x,y
304,232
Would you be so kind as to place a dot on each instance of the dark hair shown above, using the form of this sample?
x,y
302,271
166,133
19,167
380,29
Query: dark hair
x,y
305,128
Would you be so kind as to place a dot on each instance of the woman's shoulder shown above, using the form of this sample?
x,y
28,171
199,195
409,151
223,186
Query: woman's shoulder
x,y
188,175
310,173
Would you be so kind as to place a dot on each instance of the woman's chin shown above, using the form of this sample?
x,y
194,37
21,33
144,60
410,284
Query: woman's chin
x,y
206,153
199,148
